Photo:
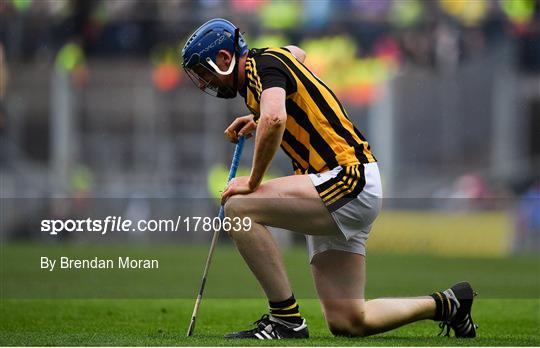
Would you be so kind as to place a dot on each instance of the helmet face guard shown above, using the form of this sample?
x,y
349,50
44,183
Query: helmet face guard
x,y
204,78
200,52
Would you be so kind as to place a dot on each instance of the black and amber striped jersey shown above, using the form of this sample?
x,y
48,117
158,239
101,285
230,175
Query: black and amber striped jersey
x,y
318,136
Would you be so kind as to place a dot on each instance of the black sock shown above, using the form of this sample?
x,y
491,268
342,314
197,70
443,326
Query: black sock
x,y
444,307
286,310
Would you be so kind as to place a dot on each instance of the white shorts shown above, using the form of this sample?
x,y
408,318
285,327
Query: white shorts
x,y
353,196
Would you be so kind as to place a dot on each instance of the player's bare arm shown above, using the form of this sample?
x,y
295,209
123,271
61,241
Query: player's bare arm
x,y
267,141
245,125
269,134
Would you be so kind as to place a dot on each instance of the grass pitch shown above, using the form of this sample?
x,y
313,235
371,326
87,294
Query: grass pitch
x,y
164,322
119,307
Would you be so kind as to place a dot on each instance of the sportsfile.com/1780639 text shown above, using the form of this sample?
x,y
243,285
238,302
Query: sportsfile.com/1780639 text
x,y
120,224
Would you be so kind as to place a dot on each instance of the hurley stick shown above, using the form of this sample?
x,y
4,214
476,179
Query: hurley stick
x,y
232,174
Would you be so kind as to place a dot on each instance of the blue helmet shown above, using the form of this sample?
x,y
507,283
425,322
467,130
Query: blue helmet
x,y
202,47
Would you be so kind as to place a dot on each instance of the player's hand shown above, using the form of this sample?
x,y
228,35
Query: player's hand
x,y
238,186
243,125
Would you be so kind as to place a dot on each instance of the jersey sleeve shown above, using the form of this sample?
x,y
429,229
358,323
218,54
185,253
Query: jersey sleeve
x,y
273,73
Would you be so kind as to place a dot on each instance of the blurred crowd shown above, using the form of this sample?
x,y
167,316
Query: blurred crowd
x,y
430,32
354,45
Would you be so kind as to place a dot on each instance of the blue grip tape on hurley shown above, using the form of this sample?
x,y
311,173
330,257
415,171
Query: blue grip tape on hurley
x,y
234,167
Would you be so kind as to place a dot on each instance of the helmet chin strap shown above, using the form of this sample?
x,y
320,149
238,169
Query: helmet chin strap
x,y
229,93
218,70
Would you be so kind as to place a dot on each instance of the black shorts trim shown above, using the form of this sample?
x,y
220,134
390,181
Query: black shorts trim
x,y
343,188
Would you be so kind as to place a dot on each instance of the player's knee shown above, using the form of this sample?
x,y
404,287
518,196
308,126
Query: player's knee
x,y
347,324
234,207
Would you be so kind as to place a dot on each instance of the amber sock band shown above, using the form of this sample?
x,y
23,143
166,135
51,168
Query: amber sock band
x,y
443,306
287,310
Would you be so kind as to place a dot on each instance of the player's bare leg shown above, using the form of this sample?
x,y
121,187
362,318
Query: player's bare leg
x,y
290,202
340,279
269,270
